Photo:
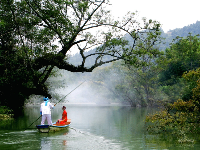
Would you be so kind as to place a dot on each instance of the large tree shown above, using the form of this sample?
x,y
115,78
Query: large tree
x,y
36,36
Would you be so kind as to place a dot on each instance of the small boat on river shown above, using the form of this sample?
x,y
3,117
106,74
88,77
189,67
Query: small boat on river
x,y
53,128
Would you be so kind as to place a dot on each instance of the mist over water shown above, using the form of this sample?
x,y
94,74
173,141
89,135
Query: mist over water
x,y
94,90
83,94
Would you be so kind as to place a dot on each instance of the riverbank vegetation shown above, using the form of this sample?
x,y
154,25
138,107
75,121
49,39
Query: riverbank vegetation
x,y
180,117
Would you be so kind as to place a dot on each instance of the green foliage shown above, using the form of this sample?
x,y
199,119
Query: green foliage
x,y
144,50
21,41
135,85
181,116
183,55
182,106
178,125
5,110
192,78
142,71
6,116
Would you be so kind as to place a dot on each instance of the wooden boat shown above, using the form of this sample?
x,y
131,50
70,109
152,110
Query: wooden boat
x,y
53,128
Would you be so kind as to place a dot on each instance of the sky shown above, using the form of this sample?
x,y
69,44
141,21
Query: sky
x,y
171,14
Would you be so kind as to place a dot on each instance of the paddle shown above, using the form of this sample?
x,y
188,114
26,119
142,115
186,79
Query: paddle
x,y
56,104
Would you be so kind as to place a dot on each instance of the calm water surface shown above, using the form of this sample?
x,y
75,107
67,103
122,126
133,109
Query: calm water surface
x,y
92,128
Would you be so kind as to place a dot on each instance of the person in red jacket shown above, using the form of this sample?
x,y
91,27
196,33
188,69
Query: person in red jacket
x,y
63,121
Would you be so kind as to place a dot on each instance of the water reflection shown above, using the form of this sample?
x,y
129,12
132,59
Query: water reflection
x,y
45,144
65,141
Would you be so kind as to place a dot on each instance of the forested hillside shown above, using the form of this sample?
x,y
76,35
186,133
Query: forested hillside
x,y
182,32
194,29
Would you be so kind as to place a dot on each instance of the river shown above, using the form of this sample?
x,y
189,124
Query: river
x,y
92,128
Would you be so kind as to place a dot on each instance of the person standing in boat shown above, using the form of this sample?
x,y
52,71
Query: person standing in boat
x,y
45,111
63,121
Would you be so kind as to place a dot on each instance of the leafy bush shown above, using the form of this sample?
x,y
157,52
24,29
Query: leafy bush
x,y
5,110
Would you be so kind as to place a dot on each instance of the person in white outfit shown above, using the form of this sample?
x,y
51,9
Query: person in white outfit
x,y
45,111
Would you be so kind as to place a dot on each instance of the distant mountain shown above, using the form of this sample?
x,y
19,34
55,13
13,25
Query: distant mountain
x,y
182,32
194,29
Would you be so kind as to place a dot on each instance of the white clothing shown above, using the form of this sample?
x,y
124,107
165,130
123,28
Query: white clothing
x,y
48,117
46,109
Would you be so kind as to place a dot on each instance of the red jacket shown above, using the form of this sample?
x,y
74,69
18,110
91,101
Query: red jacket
x,y
64,117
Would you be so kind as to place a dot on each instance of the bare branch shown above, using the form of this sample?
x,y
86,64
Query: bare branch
x,y
95,26
78,41
104,54
76,12
90,16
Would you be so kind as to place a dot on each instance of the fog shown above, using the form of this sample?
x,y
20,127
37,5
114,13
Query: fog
x,y
86,88
78,94
94,88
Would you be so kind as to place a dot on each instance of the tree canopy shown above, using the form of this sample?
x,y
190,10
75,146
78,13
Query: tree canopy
x,y
37,35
